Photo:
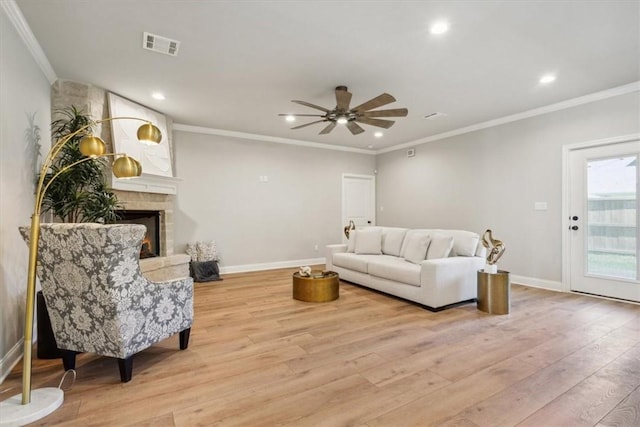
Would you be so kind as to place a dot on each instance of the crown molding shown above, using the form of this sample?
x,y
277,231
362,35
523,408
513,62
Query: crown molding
x,y
16,17
597,96
265,138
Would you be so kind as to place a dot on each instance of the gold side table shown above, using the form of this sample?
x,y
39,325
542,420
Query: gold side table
x,y
494,292
320,287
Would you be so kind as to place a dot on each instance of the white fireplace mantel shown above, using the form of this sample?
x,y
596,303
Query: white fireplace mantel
x,y
147,184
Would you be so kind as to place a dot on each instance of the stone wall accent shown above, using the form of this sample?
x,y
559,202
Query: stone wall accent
x,y
165,268
93,101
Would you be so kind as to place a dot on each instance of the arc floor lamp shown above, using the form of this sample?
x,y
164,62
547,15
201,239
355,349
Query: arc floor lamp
x,y
32,405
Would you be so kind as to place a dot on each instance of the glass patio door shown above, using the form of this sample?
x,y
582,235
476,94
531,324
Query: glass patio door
x,y
603,223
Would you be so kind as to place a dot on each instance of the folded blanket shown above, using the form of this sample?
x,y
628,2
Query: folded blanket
x,y
205,271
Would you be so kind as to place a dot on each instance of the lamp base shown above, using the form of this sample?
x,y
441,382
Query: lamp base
x,y
43,402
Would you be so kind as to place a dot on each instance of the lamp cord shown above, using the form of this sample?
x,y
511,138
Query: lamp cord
x,y
64,376
73,371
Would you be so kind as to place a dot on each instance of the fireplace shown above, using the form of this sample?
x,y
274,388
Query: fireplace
x,y
150,219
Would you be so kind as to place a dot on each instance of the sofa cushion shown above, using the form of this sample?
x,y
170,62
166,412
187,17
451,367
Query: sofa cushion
x,y
440,246
351,261
392,238
416,250
465,243
394,268
369,241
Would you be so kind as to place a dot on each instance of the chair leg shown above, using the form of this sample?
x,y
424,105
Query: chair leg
x,y
184,338
126,369
69,359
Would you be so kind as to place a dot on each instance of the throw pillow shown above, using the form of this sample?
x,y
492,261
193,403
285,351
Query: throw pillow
x,y
416,250
465,243
392,239
440,246
369,241
351,243
206,251
192,251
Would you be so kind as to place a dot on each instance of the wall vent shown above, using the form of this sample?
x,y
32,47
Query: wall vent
x,y
160,44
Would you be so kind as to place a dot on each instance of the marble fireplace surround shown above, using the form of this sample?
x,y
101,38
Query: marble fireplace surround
x,y
145,193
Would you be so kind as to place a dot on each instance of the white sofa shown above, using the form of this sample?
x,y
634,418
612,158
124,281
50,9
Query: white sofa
x,y
434,268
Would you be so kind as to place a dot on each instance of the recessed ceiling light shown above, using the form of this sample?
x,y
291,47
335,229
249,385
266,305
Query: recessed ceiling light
x,y
290,118
158,96
547,78
378,134
439,27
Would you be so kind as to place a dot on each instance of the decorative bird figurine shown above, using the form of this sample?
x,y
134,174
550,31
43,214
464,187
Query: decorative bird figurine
x,y
348,228
496,247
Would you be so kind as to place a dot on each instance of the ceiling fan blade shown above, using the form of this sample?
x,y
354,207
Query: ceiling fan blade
x,y
396,112
302,115
354,128
375,122
376,102
343,98
328,129
308,104
308,124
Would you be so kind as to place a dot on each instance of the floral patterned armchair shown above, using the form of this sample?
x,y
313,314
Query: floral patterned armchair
x,y
97,298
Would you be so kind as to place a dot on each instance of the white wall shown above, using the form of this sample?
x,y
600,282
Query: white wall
x,y
491,179
24,91
221,197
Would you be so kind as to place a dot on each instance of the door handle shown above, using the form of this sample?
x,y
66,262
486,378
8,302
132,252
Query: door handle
x,y
573,227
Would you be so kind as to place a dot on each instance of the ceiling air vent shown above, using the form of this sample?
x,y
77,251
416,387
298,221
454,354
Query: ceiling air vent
x,y
160,44
435,116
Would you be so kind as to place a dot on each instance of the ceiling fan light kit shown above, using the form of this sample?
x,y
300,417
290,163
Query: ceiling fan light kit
x,y
350,117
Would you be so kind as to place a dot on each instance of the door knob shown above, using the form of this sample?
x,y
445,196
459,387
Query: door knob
x,y
575,218
574,227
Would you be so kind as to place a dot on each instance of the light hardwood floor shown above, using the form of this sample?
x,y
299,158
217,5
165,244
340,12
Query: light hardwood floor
x,y
259,358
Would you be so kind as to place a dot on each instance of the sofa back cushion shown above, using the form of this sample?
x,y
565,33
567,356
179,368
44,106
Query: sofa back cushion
x,y
416,249
369,241
392,239
440,246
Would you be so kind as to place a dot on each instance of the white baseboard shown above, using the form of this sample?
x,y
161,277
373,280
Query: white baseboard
x,y
270,265
11,359
551,285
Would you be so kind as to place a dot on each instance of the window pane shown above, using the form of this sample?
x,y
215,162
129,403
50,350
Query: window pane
x,y
611,221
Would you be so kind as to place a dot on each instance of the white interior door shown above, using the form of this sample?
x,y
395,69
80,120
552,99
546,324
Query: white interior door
x,y
359,200
603,220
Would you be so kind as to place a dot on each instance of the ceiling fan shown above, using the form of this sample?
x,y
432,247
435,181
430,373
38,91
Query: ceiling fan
x,y
350,117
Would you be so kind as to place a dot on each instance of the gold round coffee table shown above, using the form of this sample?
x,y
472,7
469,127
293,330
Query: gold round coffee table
x,y
320,287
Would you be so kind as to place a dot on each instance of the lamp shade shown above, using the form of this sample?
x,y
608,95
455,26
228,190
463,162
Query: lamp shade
x,y
92,146
126,167
138,167
149,134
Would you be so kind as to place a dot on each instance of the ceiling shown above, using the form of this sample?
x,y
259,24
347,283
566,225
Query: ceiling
x,y
240,63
